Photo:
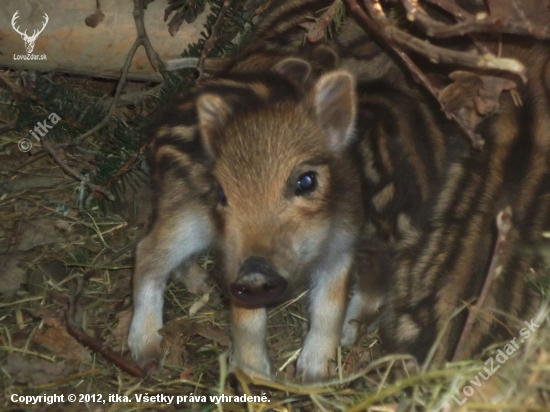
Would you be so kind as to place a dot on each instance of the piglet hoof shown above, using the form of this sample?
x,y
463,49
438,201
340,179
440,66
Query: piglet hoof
x,y
264,374
150,366
351,332
235,384
314,368
146,350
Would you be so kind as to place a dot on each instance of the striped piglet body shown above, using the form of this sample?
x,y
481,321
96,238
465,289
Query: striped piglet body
x,y
324,166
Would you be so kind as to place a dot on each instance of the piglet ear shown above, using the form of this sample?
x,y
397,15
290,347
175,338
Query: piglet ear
x,y
296,70
334,102
213,113
326,57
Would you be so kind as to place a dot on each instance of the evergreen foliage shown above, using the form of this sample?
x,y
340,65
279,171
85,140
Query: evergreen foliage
x,y
119,158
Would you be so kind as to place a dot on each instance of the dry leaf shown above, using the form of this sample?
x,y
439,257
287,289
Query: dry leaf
x,y
188,13
123,326
472,97
184,327
461,92
32,370
58,340
51,318
11,275
487,101
458,98
36,233
186,374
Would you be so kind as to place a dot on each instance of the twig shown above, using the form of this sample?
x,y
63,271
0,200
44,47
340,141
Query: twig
x,y
451,7
74,173
398,39
316,31
82,337
477,141
471,24
182,63
504,224
135,97
114,103
90,272
435,53
211,42
101,347
8,126
153,56
127,167
112,258
10,83
139,41
211,64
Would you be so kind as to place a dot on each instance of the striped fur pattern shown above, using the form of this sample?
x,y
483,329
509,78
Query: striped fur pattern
x,y
403,210
431,207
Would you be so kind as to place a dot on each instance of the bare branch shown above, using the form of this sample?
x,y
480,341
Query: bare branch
x,y
74,173
82,337
122,81
504,224
436,54
481,23
477,140
153,56
451,7
400,41
105,351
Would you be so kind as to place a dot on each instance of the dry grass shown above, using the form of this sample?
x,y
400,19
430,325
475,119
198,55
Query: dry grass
x,y
46,243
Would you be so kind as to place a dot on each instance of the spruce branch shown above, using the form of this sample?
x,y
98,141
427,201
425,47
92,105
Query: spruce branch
x,y
118,92
79,176
156,62
211,42
316,31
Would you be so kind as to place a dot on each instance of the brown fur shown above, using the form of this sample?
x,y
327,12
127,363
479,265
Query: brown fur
x,y
402,201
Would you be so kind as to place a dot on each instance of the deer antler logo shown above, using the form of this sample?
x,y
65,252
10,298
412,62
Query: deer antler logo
x,y
29,40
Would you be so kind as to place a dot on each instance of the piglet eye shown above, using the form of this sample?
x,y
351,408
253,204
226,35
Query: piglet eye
x,y
221,197
306,183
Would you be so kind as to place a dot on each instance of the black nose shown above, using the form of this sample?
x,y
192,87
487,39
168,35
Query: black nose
x,y
258,284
